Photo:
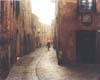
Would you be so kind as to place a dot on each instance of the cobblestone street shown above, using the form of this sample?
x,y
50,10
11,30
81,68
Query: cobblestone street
x,y
42,65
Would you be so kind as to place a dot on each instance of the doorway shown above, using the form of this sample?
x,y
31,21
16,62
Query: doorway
x,y
85,46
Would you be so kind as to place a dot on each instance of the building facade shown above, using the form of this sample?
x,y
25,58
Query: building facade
x,y
16,33
77,33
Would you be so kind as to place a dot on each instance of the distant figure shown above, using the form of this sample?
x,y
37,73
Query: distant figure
x,y
48,45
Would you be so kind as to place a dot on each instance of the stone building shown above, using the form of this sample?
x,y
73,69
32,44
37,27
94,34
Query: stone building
x,y
16,33
43,32
36,29
7,27
78,32
27,26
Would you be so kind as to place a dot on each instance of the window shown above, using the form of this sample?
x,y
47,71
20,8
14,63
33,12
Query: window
x,y
87,5
17,8
85,10
1,14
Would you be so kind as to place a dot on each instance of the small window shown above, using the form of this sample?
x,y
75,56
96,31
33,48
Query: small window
x,y
17,8
87,5
2,10
85,10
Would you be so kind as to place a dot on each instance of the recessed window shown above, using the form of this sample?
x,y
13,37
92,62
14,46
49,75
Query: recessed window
x,y
87,5
17,7
85,10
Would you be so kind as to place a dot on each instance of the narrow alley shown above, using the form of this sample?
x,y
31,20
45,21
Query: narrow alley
x,y
49,39
42,65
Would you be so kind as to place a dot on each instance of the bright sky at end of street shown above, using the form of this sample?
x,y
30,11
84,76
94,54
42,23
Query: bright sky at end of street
x,y
44,9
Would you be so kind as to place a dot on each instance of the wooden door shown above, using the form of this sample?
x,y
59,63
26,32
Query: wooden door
x,y
86,46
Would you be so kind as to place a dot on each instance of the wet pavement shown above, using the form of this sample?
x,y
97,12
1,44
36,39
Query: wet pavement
x,y
42,65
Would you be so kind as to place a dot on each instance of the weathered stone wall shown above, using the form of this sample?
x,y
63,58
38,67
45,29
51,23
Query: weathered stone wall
x,y
16,33
98,5
68,23
28,23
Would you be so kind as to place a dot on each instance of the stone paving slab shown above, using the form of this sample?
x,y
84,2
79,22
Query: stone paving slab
x,y
42,65
24,69
49,70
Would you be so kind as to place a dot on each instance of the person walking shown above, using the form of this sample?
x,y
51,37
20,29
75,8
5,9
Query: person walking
x,y
48,45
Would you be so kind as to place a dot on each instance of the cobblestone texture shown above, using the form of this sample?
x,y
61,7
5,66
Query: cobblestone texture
x,y
42,65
